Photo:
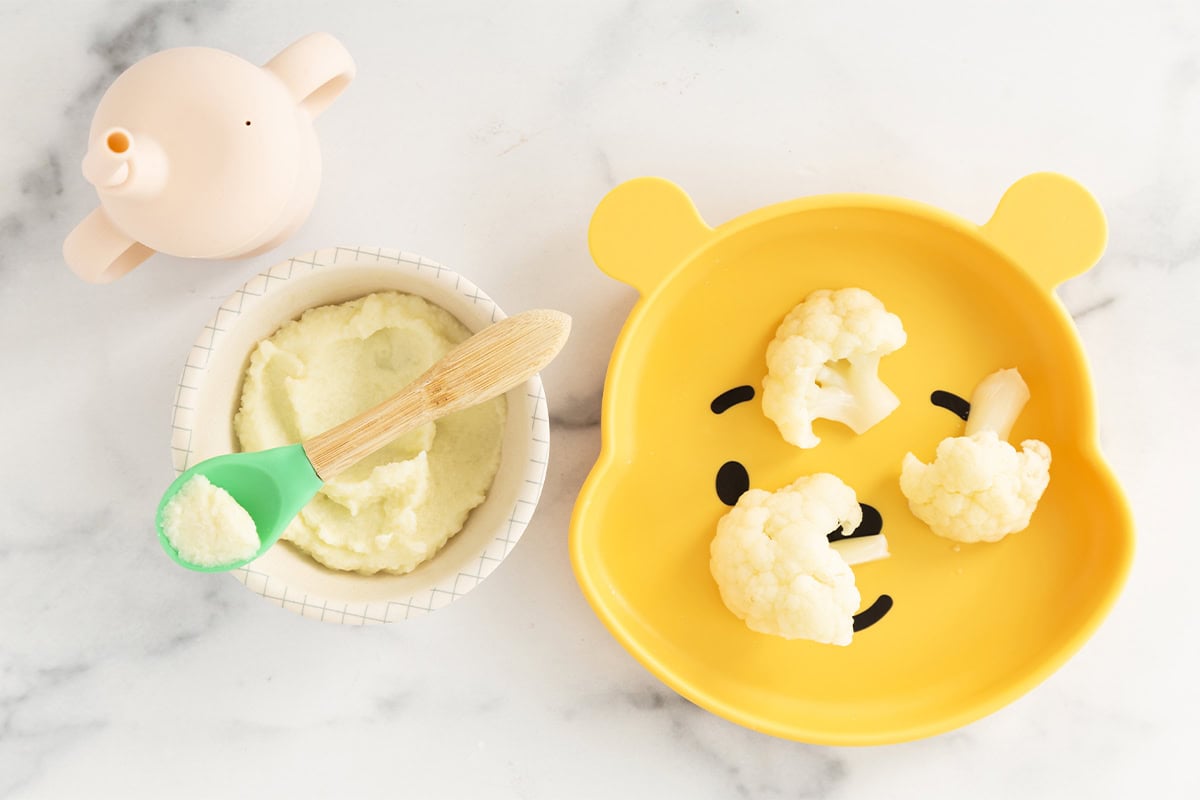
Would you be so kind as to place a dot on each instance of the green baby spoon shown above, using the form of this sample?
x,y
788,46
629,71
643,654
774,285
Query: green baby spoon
x,y
273,485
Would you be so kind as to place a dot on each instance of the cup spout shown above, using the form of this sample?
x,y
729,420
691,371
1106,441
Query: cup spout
x,y
117,162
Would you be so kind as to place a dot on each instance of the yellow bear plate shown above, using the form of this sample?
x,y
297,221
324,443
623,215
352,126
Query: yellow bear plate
x,y
948,633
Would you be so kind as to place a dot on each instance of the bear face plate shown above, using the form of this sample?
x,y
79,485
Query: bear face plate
x,y
947,633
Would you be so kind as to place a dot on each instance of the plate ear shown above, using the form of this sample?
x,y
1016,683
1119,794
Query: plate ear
x,y
642,230
1051,226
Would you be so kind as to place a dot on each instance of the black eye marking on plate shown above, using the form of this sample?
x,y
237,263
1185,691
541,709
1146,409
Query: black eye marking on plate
x,y
872,524
732,482
951,402
865,619
727,400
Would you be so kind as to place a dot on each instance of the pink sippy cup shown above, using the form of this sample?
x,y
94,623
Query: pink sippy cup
x,y
198,153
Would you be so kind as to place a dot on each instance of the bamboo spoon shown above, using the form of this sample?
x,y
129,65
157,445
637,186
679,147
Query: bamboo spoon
x,y
273,485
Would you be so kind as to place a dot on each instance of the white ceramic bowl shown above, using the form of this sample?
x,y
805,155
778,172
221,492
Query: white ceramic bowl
x,y
210,390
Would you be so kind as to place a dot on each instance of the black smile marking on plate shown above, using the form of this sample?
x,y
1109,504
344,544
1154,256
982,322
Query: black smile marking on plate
x,y
872,524
732,482
877,611
727,400
951,402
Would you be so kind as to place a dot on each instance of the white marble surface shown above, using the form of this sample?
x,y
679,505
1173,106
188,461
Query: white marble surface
x,y
481,135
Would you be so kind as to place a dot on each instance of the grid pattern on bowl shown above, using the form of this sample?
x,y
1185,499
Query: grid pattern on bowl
x,y
275,590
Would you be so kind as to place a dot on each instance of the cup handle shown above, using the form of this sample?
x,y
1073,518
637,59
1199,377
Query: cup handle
x,y
315,70
99,253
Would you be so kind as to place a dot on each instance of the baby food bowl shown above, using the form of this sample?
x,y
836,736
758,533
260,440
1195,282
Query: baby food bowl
x,y
209,394
960,630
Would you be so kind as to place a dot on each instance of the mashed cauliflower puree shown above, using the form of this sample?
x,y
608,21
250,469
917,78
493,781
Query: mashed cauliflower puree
x,y
207,527
397,507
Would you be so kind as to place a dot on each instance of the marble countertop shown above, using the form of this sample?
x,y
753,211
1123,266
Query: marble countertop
x,y
482,135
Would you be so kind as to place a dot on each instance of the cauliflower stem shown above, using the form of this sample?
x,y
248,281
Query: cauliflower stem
x,y
862,551
853,393
997,402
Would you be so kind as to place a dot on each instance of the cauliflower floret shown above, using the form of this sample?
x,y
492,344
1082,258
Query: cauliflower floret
x,y
775,567
980,488
823,364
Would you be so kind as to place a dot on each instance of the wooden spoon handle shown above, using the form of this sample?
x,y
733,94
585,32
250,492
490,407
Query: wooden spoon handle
x,y
486,365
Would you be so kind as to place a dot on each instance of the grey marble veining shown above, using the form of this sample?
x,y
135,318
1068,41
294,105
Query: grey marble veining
x,y
482,135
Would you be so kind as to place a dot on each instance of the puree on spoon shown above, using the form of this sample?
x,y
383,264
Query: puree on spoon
x,y
207,527
396,508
